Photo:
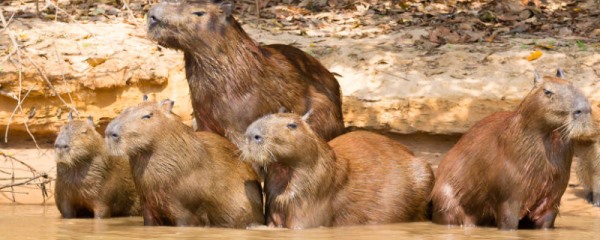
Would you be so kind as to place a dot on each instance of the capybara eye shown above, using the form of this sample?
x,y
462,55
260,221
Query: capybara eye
x,y
199,13
292,126
147,116
548,93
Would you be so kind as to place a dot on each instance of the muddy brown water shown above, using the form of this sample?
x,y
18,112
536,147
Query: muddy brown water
x,y
577,220
43,222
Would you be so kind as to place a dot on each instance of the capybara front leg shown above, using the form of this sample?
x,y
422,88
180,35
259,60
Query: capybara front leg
x,y
547,220
67,210
454,215
507,216
149,219
101,210
595,195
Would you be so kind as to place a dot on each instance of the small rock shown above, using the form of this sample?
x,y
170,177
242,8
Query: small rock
x,y
564,31
112,11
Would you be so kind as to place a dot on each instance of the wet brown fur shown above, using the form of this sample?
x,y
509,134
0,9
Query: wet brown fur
x,y
234,81
358,178
185,178
511,168
90,182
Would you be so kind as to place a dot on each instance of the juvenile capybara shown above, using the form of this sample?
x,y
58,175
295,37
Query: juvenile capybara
x,y
588,170
90,182
511,168
184,178
233,80
358,178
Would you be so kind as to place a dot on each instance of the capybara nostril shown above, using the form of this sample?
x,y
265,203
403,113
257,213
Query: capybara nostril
x,y
114,136
577,113
258,138
61,146
152,20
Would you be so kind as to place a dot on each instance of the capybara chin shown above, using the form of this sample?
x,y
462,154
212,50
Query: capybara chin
x,y
588,169
511,168
233,80
184,178
358,178
90,182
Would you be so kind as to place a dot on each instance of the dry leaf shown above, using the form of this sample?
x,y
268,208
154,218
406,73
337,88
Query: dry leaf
x,y
534,55
95,61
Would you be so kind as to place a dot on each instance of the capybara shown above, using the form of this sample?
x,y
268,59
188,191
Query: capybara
x,y
233,80
358,178
588,170
184,178
511,168
89,181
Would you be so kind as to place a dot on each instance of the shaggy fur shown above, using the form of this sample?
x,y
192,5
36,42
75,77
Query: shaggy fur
x,y
89,182
184,178
358,178
234,81
511,168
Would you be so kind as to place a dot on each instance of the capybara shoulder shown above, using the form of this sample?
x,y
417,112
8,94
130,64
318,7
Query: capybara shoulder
x,y
511,168
358,178
184,178
90,182
233,80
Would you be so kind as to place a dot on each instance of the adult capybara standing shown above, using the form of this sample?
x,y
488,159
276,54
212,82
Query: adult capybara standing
x,y
184,178
511,168
234,81
358,178
90,182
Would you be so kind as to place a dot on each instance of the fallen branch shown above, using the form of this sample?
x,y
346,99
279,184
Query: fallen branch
x,y
38,179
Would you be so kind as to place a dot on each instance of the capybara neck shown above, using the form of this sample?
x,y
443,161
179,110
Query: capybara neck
x,y
173,134
209,65
308,175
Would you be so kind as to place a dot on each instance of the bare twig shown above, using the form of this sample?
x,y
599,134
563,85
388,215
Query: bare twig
x,y
126,5
37,179
15,111
15,184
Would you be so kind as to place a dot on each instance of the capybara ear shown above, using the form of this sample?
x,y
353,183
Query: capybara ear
x,y
70,117
283,110
536,78
560,73
307,115
90,120
166,104
226,7
145,98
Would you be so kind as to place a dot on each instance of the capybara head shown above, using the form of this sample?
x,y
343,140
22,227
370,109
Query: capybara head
x,y
187,24
280,137
77,141
137,128
559,105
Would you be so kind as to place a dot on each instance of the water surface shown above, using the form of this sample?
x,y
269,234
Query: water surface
x,y
43,222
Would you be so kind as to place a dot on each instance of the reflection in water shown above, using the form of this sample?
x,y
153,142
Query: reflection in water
x,y
43,222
